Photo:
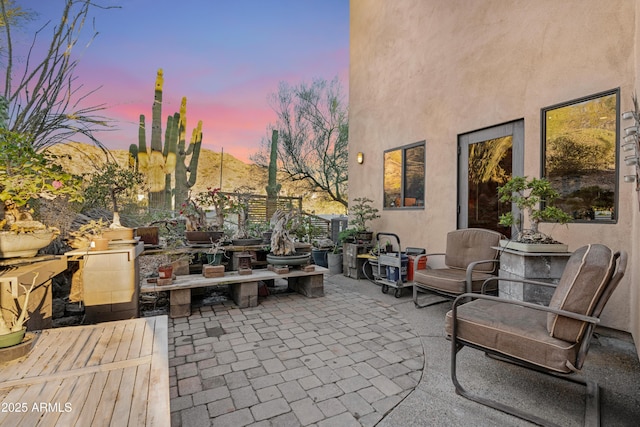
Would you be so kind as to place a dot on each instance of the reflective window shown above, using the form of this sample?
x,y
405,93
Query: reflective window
x,y
404,172
580,155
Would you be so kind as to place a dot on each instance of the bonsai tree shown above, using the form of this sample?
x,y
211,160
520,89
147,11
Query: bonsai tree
x,y
108,187
27,175
17,322
527,195
284,224
362,212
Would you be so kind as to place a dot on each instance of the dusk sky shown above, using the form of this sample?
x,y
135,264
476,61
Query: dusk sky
x,y
225,56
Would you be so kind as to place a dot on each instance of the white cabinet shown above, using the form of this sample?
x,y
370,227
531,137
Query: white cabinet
x,y
109,281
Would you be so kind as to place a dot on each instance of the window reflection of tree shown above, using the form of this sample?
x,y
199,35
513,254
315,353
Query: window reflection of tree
x,y
580,155
404,173
489,167
414,180
392,177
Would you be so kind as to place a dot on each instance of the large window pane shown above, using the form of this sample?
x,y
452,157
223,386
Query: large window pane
x,y
580,156
404,172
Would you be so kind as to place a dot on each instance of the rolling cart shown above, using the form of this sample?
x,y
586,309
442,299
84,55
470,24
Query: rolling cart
x,y
391,277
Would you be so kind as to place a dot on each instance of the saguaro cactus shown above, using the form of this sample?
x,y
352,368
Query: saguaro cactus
x,y
160,161
186,174
273,188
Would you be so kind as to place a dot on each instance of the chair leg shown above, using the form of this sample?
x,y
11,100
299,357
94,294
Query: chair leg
x,y
434,302
592,407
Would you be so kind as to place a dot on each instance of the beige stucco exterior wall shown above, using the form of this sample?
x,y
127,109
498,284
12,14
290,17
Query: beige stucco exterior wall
x,y
433,69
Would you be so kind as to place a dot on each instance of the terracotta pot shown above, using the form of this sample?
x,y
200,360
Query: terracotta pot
x,y
165,271
99,244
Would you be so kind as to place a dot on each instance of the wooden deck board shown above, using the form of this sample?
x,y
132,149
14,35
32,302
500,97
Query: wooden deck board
x,y
113,373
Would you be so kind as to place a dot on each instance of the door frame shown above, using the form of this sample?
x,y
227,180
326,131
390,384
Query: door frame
x,y
515,129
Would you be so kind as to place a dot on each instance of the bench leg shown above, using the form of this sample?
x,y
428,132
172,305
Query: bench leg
x,y
309,286
245,294
180,303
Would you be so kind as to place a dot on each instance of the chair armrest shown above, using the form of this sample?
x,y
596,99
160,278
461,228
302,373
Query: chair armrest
x,y
465,297
470,268
508,279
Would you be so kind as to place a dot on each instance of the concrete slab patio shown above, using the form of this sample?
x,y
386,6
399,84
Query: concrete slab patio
x,y
359,357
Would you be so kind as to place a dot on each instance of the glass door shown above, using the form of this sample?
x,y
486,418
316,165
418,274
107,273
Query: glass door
x,y
487,159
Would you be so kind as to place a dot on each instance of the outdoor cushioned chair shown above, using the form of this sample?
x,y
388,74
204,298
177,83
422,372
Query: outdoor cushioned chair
x,y
470,259
554,339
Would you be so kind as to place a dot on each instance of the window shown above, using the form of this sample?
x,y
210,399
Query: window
x,y
580,155
404,169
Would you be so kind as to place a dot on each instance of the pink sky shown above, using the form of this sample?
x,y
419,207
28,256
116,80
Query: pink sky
x,y
225,56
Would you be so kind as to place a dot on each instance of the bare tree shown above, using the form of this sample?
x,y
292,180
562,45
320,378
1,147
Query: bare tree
x,y
46,102
313,131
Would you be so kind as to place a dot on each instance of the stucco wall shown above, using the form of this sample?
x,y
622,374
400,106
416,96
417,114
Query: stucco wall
x,y
433,69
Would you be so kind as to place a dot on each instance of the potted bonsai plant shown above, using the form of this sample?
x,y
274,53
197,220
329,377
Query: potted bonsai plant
x,y
283,246
12,332
108,188
528,195
198,228
90,235
27,176
361,212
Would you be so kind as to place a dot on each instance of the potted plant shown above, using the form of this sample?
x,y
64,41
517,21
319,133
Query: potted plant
x,y
90,235
108,188
198,228
27,176
283,247
361,212
215,253
12,331
528,195
248,232
320,251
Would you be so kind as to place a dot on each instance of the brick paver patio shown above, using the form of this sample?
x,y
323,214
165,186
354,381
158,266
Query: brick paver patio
x,y
340,360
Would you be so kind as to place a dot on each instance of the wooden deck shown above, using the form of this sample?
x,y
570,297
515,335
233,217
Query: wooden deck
x,y
113,373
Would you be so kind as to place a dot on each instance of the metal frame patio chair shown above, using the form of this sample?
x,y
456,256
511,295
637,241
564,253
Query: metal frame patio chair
x,y
553,340
470,259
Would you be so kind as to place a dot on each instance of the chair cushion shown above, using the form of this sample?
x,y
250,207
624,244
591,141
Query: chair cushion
x,y
515,331
586,275
450,280
471,244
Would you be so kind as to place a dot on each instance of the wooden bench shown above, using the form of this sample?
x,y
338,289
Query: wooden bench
x,y
243,288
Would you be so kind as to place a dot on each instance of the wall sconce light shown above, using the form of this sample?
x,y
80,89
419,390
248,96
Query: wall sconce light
x,y
629,178
631,160
360,157
627,115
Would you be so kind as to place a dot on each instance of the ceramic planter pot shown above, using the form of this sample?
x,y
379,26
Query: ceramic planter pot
x,y
12,338
24,244
149,235
200,237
